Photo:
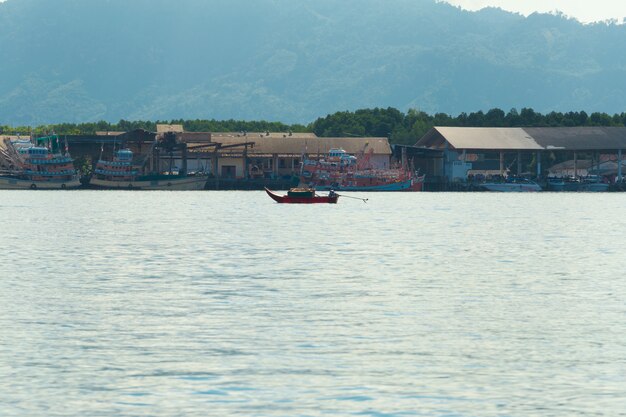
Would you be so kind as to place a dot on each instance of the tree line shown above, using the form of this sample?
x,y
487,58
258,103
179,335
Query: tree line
x,y
399,127
407,128
126,126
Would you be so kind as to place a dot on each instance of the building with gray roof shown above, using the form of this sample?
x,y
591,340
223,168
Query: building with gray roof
x,y
521,146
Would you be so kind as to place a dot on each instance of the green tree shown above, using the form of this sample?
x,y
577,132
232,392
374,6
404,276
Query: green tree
x,y
495,118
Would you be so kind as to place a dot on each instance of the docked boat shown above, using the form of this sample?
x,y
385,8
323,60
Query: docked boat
x,y
371,183
512,185
343,172
303,196
593,187
558,184
39,164
577,184
122,173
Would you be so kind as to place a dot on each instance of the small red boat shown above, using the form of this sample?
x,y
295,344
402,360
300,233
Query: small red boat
x,y
303,196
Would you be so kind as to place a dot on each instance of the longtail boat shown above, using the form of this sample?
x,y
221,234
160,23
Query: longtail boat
x,y
303,196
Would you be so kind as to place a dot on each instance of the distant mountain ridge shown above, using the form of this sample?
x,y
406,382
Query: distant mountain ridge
x,y
295,60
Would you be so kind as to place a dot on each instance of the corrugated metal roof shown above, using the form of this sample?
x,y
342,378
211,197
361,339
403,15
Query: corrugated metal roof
x,y
569,165
190,137
296,145
249,136
480,138
9,137
579,138
107,133
528,138
162,128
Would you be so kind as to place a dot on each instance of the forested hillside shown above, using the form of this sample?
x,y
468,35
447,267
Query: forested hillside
x,y
294,60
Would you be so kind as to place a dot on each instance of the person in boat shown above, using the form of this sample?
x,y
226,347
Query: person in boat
x,y
332,194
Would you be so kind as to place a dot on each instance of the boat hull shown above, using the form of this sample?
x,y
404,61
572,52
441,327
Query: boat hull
x,y
302,200
173,184
578,186
9,183
407,185
511,188
557,186
593,187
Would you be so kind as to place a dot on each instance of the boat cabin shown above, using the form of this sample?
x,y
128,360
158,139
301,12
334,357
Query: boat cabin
x,y
341,156
33,151
124,155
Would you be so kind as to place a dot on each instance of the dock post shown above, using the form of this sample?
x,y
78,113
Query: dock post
x,y
246,172
538,164
214,162
184,156
404,163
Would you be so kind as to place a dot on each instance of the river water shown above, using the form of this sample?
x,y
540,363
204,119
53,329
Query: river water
x,y
226,303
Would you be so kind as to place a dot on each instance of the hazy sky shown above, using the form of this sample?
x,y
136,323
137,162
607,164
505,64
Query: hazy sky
x,y
583,10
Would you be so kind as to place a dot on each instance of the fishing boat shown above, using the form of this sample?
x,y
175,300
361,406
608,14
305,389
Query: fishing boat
x,y
303,196
343,172
584,184
593,186
557,184
123,173
512,185
371,182
39,164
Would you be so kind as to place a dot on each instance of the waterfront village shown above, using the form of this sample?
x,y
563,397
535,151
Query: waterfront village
x,y
444,159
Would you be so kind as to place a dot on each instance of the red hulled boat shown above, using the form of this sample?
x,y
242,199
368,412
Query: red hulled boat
x,y
340,171
303,196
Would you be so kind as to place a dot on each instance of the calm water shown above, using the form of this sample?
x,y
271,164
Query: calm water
x,y
225,303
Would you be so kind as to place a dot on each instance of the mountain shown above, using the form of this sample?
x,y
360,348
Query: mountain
x,y
295,60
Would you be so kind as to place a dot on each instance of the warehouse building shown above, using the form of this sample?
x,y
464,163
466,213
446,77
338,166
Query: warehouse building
x,y
517,150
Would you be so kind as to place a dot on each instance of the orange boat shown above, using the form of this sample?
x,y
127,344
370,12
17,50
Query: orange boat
x,y
340,171
303,196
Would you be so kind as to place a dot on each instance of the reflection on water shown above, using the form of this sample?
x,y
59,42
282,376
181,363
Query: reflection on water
x,y
225,303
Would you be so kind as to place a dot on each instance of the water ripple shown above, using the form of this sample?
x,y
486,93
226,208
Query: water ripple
x,y
225,303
